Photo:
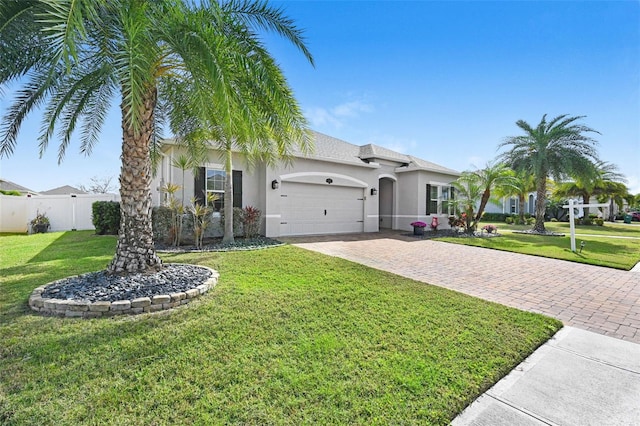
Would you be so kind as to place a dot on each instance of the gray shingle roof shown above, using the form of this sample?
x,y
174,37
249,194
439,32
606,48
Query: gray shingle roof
x,y
12,186
328,148
63,190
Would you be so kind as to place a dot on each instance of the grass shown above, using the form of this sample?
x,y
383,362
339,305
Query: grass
x,y
601,249
287,337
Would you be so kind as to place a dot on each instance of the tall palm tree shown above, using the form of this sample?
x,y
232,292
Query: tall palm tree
x,y
556,148
594,184
75,58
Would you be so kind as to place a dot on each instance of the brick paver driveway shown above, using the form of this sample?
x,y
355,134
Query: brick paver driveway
x,y
602,300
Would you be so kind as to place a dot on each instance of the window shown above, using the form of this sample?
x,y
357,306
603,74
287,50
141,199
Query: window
x,y
212,181
215,185
513,205
438,199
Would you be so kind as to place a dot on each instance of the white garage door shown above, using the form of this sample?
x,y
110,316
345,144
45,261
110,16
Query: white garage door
x,y
308,209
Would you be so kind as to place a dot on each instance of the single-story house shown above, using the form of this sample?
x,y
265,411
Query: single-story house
x,y
7,185
339,188
63,190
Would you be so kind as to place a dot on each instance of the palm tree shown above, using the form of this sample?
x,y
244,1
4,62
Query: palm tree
x,y
594,184
473,191
77,57
555,148
520,187
252,130
493,176
468,195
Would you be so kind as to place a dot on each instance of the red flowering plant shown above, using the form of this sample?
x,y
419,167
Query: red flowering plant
x,y
418,224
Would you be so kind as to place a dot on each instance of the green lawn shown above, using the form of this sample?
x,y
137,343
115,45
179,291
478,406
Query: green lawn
x,y
601,250
287,337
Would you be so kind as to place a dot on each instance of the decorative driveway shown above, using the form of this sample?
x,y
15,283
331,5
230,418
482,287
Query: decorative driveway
x,y
598,299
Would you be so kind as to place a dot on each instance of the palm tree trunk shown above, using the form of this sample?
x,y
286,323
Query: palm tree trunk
x,y
483,204
135,251
585,200
541,194
228,198
521,208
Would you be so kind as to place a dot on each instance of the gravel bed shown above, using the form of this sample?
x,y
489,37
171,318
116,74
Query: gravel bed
x,y
216,245
99,286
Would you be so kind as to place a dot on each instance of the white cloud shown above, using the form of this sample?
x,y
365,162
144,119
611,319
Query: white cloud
x,y
321,117
337,115
351,109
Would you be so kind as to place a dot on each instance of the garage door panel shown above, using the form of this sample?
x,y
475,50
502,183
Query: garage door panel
x,y
318,209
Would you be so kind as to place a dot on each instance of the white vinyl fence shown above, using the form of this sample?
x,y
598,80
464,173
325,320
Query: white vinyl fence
x,y
65,212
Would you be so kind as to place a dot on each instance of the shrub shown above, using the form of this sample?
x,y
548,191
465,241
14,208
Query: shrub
x,y
531,220
494,217
599,221
508,220
587,221
106,217
237,221
251,221
553,219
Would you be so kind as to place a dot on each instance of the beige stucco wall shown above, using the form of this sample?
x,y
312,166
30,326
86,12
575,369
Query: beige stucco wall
x,y
405,190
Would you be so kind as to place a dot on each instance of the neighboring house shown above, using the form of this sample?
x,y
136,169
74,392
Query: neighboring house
x,y
6,185
510,205
63,190
339,188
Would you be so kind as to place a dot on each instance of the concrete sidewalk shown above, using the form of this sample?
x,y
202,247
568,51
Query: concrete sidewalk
x,y
576,378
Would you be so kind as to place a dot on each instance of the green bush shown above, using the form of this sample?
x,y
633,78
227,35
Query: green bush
x,y
106,217
508,220
553,219
237,221
587,220
599,221
531,220
494,217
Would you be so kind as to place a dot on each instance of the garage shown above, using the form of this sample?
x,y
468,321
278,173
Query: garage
x,y
309,209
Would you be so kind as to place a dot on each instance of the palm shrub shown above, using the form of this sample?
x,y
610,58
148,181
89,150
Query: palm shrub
x,y
201,214
177,212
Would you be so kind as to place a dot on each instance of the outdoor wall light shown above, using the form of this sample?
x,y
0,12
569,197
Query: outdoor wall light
x,y
275,184
374,191
329,181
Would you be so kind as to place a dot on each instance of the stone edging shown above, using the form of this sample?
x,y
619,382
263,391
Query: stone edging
x,y
85,309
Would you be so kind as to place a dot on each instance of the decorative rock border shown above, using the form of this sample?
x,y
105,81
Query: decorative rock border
x,y
86,309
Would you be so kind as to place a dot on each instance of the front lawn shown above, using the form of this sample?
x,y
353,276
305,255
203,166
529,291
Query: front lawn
x,y
604,249
287,337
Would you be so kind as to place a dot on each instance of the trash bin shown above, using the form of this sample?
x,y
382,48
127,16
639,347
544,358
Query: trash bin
x,y
627,218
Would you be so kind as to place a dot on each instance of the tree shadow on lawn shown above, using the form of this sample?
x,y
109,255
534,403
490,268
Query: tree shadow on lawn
x,y
73,245
67,255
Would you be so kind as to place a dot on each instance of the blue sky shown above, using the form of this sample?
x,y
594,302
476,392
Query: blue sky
x,y
444,81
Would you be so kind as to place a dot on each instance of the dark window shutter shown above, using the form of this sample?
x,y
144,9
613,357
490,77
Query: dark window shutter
x,y
428,199
199,185
237,188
